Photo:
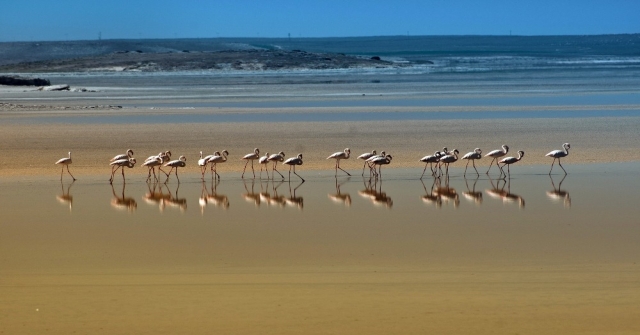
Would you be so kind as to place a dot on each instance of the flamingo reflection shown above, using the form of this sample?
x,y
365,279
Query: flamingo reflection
x,y
293,200
375,194
472,194
174,201
274,198
213,197
339,197
155,196
506,196
558,194
251,196
65,198
447,193
122,202
429,197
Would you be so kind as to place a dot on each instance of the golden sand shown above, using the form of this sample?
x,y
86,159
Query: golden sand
x,y
33,148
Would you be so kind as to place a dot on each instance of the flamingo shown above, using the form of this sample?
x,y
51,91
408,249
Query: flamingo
x,y
263,162
510,160
251,157
448,159
435,158
202,163
292,162
495,154
121,163
341,155
471,157
219,158
380,161
557,154
150,158
366,156
180,162
127,155
372,158
275,158
151,164
444,152
65,162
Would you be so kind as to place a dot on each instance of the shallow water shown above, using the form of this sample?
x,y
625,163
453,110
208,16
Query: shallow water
x,y
399,204
117,259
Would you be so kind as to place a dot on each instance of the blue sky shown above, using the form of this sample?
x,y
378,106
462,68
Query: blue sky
x,y
31,20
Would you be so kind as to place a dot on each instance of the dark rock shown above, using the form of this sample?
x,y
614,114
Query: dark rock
x,y
62,87
21,81
375,58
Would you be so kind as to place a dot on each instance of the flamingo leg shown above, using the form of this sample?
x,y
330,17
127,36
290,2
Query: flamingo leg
x,y
294,172
215,170
123,179
178,180
425,169
252,170
554,161
491,164
61,172
113,173
465,168
363,166
276,170
74,178
565,171
159,168
245,168
169,175
338,165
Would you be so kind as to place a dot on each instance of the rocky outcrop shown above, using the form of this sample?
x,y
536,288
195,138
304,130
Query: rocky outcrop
x,y
21,81
62,87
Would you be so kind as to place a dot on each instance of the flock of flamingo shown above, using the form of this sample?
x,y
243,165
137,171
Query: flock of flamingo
x,y
437,162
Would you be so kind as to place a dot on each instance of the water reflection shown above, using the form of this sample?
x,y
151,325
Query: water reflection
x,y
122,202
293,200
155,196
429,197
558,194
65,198
505,195
375,194
173,200
437,192
251,196
212,197
471,194
339,197
447,193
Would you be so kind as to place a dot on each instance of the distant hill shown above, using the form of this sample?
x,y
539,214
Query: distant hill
x,y
412,48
